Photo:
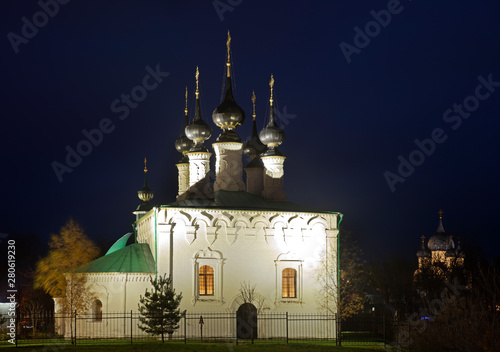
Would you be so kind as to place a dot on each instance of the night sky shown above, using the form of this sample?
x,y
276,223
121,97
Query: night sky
x,y
352,105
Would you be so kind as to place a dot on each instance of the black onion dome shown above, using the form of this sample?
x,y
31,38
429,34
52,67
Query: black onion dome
x,y
145,194
183,144
254,147
228,115
249,150
198,130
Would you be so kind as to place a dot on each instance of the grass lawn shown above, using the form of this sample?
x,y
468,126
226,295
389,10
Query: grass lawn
x,y
201,347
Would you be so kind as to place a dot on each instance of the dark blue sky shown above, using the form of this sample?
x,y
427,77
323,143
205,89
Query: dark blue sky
x,y
347,124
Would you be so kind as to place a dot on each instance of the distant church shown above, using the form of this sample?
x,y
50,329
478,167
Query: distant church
x,y
215,237
440,252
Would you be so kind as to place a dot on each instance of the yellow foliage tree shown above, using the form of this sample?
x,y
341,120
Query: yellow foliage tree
x,y
69,249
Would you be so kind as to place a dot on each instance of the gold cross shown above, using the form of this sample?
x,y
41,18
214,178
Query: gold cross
x,y
197,76
271,84
253,103
228,63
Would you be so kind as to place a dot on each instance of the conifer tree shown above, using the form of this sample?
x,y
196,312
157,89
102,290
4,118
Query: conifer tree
x,y
159,308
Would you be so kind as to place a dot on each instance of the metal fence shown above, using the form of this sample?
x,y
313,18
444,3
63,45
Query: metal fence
x,y
49,328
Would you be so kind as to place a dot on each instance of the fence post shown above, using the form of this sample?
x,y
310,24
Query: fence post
x,y
286,327
185,332
201,327
131,325
336,329
75,327
339,322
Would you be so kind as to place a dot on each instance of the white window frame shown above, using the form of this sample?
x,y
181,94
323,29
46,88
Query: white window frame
x,y
289,261
215,260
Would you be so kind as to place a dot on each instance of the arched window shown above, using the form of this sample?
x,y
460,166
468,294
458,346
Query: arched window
x,y
207,273
206,283
289,283
97,310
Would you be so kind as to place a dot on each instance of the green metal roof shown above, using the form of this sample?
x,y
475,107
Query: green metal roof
x,y
241,200
135,258
120,244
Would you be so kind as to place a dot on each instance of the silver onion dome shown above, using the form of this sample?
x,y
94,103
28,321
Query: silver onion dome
x,y
198,130
272,135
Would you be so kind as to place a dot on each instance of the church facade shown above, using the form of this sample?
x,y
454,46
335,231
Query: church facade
x,y
220,236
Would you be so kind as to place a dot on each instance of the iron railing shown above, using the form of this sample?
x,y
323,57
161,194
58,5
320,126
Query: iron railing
x,y
79,328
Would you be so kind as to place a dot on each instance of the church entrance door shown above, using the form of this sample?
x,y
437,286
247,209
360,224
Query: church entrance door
x,y
246,321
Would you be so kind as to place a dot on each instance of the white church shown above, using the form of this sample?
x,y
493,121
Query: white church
x,y
218,235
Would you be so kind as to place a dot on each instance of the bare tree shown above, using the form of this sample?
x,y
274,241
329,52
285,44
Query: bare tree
x,y
249,294
34,310
342,278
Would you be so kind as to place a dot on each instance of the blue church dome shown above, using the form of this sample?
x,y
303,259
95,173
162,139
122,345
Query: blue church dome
x,y
441,241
